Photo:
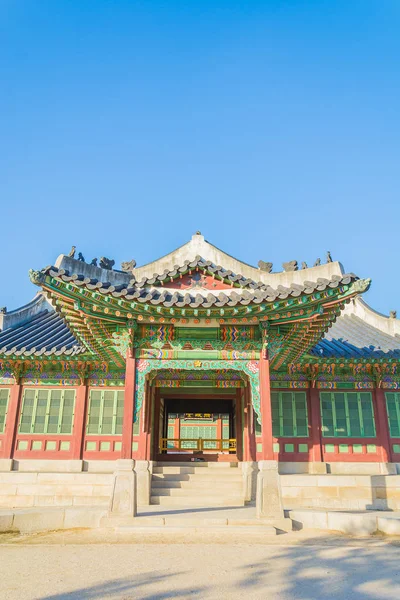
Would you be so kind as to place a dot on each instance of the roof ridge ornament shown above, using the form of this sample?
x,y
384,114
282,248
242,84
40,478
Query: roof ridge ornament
x,y
361,285
292,265
37,277
266,267
128,266
106,263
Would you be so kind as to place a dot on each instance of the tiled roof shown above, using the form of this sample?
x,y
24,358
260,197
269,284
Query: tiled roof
x,y
352,337
43,334
253,292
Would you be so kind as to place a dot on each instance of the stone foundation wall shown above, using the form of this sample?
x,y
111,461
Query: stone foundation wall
x,y
356,492
25,490
89,484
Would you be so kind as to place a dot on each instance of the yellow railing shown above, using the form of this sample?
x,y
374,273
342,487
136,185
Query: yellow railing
x,y
197,445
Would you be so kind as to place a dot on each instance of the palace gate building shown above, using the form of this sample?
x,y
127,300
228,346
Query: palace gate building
x,y
197,358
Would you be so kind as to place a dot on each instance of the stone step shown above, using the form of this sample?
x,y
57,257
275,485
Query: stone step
x,y
190,469
191,532
196,484
198,493
197,477
190,501
205,464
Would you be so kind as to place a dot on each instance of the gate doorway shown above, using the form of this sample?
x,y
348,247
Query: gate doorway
x,y
195,427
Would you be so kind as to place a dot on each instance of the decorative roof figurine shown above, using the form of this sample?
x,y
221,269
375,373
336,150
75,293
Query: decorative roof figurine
x,y
393,314
94,262
304,265
328,257
72,252
266,267
80,257
317,262
106,263
3,310
128,267
290,266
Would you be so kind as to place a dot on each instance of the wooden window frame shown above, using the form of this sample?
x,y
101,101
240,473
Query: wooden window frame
x,y
101,411
47,413
348,434
8,390
397,406
294,435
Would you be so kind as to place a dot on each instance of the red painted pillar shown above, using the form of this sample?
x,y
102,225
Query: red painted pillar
x,y
11,425
315,425
143,450
129,405
249,433
240,433
266,409
382,426
79,421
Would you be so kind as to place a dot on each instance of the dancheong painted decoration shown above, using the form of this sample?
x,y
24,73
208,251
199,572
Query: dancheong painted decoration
x,y
106,363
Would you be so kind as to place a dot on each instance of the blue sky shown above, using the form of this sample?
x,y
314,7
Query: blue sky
x,y
271,126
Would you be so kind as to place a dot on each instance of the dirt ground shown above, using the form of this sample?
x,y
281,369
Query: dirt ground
x,y
82,564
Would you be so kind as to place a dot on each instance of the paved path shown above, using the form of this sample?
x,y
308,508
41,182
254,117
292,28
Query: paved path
x,y
79,565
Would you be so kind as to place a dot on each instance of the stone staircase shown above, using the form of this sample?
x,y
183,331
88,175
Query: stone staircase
x,y
197,484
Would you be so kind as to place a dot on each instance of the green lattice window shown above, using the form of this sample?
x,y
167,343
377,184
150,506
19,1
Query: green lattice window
x,y
195,432
393,411
171,432
347,414
4,397
106,412
47,411
289,414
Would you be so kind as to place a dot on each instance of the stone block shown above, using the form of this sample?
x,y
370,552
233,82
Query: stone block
x,y
6,464
90,500
123,501
38,520
336,480
35,489
143,482
317,468
16,501
43,501
83,517
6,522
53,501
50,466
8,489
362,468
99,466
249,472
309,519
320,492
384,505
388,481
388,525
359,493
15,477
73,489
298,480
293,468
352,523
269,495
292,492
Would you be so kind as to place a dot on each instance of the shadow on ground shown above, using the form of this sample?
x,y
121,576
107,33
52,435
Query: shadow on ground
x,y
316,568
134,587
